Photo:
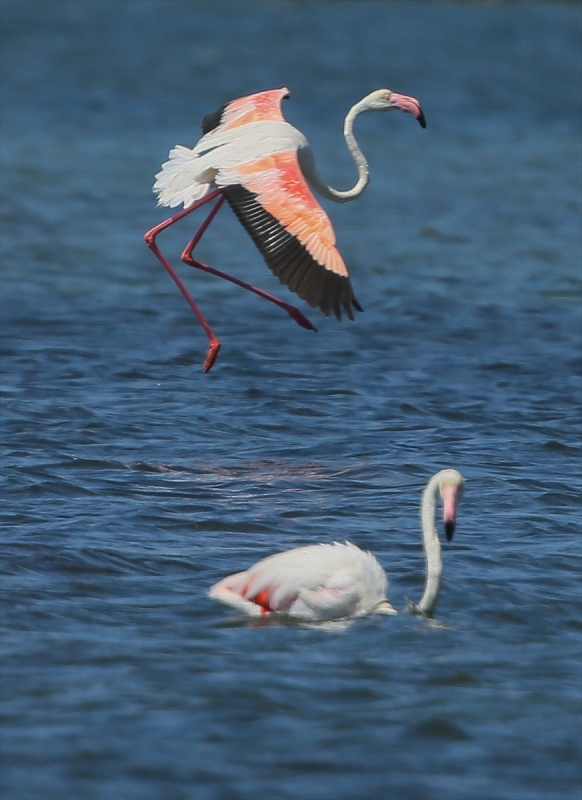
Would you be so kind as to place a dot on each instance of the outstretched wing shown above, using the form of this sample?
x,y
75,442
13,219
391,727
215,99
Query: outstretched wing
x,y
272,200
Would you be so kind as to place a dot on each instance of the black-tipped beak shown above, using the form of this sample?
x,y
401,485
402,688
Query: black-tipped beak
x,y
408,104
449,497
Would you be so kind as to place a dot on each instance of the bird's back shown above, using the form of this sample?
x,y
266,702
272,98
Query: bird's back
x,y
316,582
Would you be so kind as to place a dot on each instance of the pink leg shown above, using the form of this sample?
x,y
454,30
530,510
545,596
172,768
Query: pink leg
x,y
214,343
150,238
187,258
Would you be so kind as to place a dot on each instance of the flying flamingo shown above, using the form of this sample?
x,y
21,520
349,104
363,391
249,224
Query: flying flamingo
x,y
323,582
263,167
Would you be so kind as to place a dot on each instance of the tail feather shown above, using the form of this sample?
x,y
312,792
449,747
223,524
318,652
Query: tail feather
x,y
180,181
229,591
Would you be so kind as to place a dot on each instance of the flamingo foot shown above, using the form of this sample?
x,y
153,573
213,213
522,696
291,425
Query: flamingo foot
x,y
211,355
295,314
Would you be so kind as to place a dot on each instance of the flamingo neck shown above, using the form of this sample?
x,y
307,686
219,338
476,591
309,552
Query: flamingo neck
x,y
308,164
432,550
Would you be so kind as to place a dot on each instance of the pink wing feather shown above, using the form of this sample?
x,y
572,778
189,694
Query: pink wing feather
x,y
260,107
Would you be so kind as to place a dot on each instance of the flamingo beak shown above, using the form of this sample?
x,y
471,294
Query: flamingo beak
x,y
410,105
449,496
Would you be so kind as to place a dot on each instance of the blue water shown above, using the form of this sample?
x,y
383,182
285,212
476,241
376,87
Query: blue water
x,y
131,482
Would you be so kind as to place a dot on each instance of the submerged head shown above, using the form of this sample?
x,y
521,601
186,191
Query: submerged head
x,y
384,100
450,484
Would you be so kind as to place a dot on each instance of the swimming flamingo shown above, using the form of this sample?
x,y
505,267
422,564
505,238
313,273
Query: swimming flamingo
x,y
323,582
250,157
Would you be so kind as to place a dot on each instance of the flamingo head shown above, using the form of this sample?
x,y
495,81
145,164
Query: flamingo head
x,y
450,485
385,100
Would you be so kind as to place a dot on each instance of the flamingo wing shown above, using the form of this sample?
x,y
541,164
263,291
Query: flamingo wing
x,y
258,107
188,174
273,202
256,591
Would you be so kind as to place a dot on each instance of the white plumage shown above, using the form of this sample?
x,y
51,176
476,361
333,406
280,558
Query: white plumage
x,y
318,582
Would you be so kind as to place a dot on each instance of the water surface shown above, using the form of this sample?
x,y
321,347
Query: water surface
x,y
131,482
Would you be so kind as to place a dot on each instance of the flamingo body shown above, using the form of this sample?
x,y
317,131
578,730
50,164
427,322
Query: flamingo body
x,y
324,582
315,583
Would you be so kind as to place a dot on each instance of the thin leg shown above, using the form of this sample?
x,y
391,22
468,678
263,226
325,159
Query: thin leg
x,y
150,239
214,343
187,258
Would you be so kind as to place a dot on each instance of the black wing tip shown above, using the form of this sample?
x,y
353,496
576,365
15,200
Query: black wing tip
x,y
348,307
289,260
212,121
421,119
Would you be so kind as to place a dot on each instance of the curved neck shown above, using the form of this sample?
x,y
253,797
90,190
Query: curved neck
x,y
310,171
432,550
